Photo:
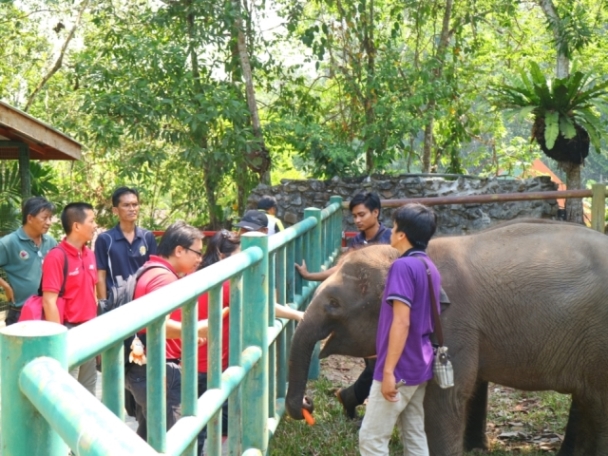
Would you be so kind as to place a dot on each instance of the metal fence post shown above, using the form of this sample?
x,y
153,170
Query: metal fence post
x,y
113,379
598,207
255,333
336,225
24,430
314,257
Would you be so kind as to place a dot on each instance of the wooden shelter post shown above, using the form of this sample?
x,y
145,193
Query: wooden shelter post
x,y
24,171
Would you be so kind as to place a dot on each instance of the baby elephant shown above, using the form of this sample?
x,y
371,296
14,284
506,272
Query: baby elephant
x,y
528,310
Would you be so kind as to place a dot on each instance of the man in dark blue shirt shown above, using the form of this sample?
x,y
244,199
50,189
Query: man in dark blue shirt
x,y
122,250
365,208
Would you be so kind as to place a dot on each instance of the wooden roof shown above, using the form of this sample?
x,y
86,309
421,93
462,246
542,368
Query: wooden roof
x,y
45,142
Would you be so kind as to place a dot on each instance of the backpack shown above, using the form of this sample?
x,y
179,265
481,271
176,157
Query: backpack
x,y
124,290
118,284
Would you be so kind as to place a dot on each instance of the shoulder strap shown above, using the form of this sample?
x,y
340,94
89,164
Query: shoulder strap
x,y
436,319
109,259
65,271
141,271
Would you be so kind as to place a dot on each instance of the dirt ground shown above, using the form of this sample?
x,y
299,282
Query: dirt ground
x,y
512,422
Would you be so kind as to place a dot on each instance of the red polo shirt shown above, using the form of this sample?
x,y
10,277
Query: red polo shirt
x,y
203,314
79,295
153,280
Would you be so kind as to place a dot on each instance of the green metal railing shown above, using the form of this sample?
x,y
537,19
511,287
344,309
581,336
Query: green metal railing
x,y
45,410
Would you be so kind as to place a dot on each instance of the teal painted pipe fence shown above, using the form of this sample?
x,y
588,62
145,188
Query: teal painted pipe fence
x,y
44,410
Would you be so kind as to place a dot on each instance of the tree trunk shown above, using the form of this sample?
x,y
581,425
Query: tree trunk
x,y
440,58
574,206
562,67
209,176
259,158
370,94
428,140
59,62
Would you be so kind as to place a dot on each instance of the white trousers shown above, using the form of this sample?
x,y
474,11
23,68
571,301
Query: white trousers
x,y
381,416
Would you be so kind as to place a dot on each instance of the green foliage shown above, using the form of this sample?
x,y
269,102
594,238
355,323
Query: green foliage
x,y
42,181
155,92
561,104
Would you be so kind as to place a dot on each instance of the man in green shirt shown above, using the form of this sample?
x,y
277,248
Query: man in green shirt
x,y
22,253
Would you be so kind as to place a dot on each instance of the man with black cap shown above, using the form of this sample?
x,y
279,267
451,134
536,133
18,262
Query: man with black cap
x,y
258,221
253,221
268,205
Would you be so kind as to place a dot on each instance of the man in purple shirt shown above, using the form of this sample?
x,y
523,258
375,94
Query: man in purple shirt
x,y
403,341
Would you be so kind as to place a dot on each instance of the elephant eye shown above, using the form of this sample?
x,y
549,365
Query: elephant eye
x,y
334,303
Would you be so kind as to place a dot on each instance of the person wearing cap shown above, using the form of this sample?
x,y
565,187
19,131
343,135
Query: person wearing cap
x,y
253,221
268,205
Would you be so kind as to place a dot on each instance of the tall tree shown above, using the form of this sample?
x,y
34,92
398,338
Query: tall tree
x,y
569,34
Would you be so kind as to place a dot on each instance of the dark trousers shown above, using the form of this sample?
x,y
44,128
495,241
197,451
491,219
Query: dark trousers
x,y
136,382
12,316
363,384
202,388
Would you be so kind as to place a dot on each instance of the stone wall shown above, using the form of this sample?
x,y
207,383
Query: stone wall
x,y
295,195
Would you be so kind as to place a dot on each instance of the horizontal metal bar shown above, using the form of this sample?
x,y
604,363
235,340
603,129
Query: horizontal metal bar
x,y
91,338
278,240
83,422
487,199
275,330
329,210
307,293
188,427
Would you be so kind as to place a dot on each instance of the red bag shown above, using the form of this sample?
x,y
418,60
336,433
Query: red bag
x,y
32,308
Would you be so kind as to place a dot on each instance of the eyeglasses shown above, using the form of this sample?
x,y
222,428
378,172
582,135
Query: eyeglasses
x,y
200,254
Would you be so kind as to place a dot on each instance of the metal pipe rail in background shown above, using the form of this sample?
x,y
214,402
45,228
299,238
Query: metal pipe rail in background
x,y
597,193
44,410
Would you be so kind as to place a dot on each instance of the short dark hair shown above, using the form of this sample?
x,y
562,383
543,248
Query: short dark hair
x,y
370,200
178,234
417,221
223,242
34,206
267,202
123,191
74,213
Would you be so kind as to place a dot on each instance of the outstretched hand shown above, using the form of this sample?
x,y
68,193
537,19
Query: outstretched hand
x,y
302,269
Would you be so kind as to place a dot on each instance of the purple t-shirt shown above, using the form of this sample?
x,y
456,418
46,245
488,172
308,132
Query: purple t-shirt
x,y
407,284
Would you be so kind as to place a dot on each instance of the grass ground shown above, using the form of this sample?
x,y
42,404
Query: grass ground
x,y
519,423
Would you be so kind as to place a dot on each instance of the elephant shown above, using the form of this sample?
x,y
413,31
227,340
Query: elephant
x,y
527,310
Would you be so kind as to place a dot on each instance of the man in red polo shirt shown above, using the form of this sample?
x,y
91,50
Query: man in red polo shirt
x,y
78,221
179,254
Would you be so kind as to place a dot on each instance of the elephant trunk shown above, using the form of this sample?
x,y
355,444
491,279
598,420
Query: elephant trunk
x,y
306,336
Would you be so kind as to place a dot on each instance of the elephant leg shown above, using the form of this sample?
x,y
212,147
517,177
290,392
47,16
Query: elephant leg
x,y
592,433
475,433
574,419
